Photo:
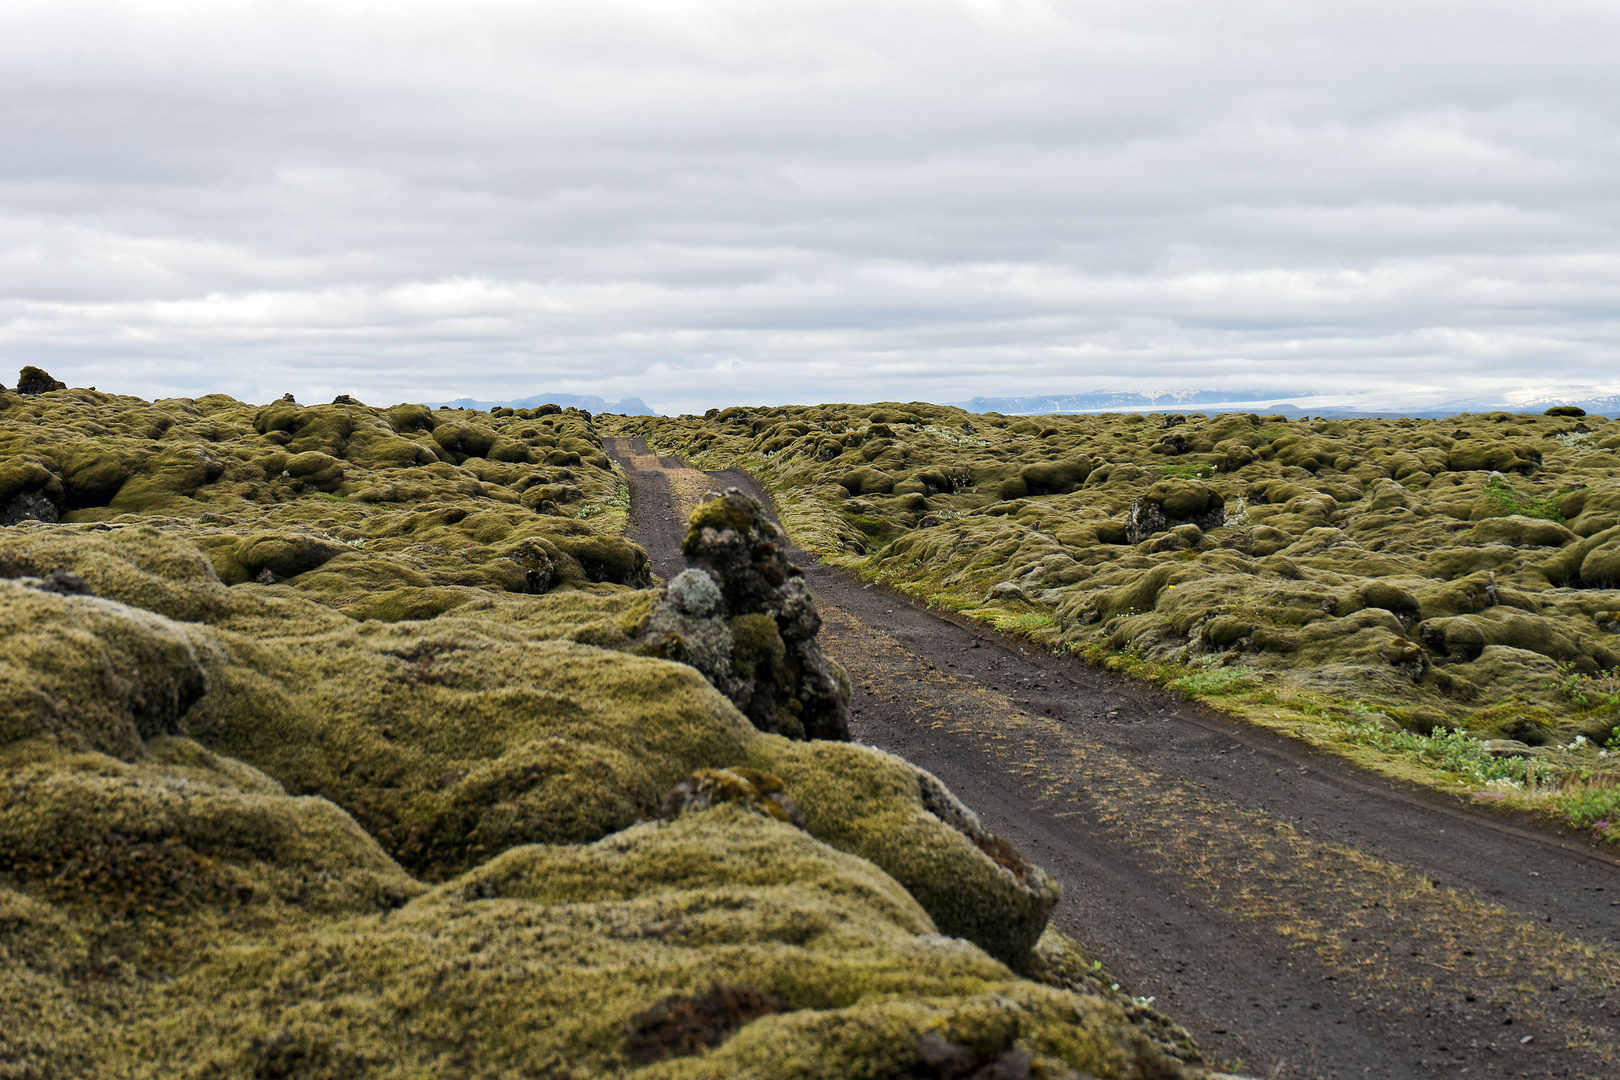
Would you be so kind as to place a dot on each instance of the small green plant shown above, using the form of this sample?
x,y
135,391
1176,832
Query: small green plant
x,y
1569,682
1598,693
1592,801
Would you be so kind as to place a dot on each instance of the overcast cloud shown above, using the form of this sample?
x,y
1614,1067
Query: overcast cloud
x,y
741,201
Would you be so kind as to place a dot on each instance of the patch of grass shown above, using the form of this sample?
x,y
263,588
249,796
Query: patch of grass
x,y
1596,694
871,526
1212,682
619,500
1199,679
879,531
954,437
1189,471
1507,500
1454,751
1022,624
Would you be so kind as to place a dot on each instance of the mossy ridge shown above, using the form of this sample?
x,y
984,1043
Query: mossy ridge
x,y
230,888
1419,568
883,808
420,498
487,973
550,739
182,829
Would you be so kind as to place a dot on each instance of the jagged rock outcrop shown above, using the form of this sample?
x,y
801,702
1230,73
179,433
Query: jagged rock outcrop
x,y
743,616
32,380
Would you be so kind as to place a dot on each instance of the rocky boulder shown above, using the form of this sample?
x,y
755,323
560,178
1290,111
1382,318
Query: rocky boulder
x,y
1169,503
32,380
743,616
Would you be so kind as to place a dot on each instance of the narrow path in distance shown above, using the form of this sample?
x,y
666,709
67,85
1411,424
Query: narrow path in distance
x,y
1300,917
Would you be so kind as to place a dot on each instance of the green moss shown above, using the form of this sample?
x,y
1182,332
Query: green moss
x,y
1501,499
882,808
1025,622
90,674
756,641
542,957
152,838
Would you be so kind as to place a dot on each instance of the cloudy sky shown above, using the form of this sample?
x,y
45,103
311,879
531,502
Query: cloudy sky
x,y
712,201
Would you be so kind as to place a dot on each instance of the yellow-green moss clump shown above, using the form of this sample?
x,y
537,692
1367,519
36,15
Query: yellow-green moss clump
x,y
885,809
325,751
538,961
1425,569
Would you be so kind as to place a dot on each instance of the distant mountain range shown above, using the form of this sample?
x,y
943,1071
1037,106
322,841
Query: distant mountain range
x,y
1122,401
629,406
1291,403
1286,402
1603,406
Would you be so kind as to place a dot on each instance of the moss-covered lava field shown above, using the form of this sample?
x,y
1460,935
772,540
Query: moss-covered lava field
x,y
340,741
1438,599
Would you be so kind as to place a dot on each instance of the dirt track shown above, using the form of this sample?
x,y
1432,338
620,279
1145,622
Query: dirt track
x,y
1301,918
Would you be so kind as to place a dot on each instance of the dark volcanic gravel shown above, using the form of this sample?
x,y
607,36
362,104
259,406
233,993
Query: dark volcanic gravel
x,y
1300,917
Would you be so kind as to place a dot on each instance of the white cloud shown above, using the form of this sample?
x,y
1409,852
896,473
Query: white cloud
x,y
700,202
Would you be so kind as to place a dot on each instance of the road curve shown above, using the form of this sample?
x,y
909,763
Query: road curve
x,y
1300,917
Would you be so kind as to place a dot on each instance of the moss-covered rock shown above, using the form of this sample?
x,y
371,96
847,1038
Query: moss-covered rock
x,y
90,673
972,883
285,556
764,657
181,830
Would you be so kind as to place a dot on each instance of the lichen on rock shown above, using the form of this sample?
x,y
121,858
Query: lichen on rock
x,y
743,616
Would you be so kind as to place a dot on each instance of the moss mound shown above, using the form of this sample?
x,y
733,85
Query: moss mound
x,y
972,883
486,976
